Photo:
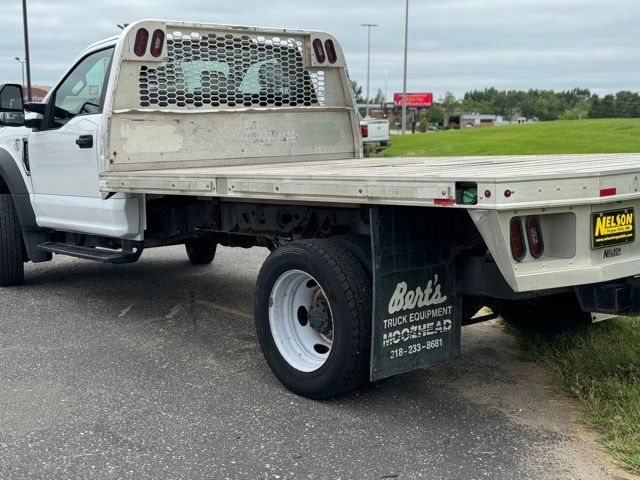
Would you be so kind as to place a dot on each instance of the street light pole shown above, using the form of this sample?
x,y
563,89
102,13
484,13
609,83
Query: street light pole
x,y
404,83
21,69
386,74
582,99
26,48
368,25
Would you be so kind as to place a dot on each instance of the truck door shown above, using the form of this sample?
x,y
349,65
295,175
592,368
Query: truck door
x,y
64,156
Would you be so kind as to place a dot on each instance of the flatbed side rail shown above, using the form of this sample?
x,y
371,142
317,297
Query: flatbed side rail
x,y
401,181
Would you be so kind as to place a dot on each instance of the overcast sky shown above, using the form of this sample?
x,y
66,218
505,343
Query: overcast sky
x,y
455,45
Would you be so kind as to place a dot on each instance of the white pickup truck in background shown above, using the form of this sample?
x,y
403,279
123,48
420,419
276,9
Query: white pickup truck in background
x,y
178,133
375,133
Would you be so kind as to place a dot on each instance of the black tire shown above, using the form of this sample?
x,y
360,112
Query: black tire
x,y
11,248
547,315
357,245
201,250
348,291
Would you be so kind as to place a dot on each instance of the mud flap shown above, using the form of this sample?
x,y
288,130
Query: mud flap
x,y
416,306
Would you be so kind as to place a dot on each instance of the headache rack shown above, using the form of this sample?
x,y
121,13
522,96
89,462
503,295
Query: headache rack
x,y
227,70
196,95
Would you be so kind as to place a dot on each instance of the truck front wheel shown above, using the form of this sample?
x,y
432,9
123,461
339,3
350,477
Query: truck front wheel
x,y
11,249
313,318
200,250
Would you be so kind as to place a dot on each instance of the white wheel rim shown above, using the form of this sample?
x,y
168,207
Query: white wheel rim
x,y
304,347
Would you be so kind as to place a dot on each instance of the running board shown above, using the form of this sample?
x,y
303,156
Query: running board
x,y
90,253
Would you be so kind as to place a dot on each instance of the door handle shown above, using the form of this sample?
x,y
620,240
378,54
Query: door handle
x,y
85,141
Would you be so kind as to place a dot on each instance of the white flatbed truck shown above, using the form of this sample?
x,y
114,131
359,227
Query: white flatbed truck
x,y
205,135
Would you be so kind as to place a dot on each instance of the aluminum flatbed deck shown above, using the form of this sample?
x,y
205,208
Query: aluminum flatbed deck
x,y
503,182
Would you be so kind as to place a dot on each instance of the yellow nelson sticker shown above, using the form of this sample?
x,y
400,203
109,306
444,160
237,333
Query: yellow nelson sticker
x,y
614,227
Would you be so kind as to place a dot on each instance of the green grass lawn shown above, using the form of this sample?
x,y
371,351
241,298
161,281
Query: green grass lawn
x,y
600,367
587,136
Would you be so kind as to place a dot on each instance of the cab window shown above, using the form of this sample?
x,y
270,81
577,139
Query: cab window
x,y
81,92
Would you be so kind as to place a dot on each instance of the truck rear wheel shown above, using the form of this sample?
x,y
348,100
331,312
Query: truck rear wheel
x,y
201,250
11,249
357,245
313,318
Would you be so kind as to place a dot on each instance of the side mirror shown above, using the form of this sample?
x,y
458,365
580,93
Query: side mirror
x,y
11,105
33,123
35,107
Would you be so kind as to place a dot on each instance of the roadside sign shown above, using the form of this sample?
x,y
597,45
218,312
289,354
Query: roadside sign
x,y
414,100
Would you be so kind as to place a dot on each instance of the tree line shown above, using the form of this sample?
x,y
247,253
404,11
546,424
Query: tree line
x,y
551,105
533,103
537,104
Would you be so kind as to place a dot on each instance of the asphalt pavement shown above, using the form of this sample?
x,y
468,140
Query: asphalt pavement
x,y
152,370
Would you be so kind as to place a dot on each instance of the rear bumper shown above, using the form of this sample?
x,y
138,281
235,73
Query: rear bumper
x,y
581,275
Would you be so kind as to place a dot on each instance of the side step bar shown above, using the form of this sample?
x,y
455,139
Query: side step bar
x,y
90,253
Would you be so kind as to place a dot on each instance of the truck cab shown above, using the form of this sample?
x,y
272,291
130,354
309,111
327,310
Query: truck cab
x,y
62,146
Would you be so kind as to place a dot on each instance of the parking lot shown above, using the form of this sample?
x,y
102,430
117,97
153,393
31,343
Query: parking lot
x,y
152,370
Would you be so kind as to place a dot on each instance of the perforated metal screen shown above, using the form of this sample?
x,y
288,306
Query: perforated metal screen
x,y
231,70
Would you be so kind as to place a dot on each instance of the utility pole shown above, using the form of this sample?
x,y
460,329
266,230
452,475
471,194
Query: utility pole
x,y
21,69
369,26
404,83
26,48
386,95
583,99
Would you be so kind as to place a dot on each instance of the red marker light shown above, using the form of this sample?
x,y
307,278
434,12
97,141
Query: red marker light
x,y
331,51
444,202
534,235
157,42
319,51
140,45
364,130
607,192
516,237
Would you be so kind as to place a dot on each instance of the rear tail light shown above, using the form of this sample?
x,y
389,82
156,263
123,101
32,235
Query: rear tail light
x,y
331,51
319,50
364,130
140,45
516,236
157,42
534,235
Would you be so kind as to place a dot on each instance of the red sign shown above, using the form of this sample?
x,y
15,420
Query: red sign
x,y
37,93
414,100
